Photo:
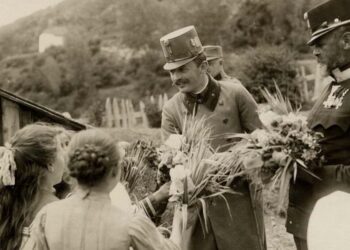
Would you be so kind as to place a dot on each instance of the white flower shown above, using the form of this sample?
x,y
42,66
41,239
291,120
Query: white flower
x,y
269,117
175,141
261,136
178,174
308,140
309,155
280,158
296,120
179,158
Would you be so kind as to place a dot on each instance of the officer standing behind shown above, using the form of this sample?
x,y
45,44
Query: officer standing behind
x,y
215,60
330,27
229,108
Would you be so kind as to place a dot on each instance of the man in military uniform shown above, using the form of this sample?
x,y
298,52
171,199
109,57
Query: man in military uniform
x,y
215,60
229,108
330,27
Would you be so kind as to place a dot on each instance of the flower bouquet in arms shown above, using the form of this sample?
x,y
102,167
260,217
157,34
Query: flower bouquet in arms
x,y
283,149
194,177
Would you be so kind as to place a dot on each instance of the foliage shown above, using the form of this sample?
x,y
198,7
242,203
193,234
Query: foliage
x,y
154,115
266,66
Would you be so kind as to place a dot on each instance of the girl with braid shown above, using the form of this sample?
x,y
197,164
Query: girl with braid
x,y
87,219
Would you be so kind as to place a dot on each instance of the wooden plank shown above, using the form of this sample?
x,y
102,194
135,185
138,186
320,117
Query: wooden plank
x,y
143,114
25,116
304,82
127,113
10,118
109,115
1,125
130,112
124,114
116,113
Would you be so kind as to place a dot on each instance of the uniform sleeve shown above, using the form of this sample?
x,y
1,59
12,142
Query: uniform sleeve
x,y
145,236
248,110
168,126
335,173
38,231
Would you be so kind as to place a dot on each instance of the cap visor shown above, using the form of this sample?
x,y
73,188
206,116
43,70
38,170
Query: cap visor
x,y
175,65
315,37
210,58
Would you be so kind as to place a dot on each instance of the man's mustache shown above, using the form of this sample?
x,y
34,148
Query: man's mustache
x,y
180,82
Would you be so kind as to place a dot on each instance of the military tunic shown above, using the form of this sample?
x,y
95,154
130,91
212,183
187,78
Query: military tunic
x,y
229,108
330,116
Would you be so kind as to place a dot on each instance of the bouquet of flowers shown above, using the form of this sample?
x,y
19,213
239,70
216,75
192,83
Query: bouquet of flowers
x,y
283,147
194,177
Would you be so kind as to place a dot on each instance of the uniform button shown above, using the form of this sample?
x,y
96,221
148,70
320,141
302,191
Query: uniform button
x,y
225,121
213,94
290,222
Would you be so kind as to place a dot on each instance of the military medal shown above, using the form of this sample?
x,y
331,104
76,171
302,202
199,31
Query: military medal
x,y
335,98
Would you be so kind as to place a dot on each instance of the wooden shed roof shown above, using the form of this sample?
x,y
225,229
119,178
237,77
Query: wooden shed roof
x,y
54,115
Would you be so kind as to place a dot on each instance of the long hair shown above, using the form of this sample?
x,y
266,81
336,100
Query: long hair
x,y
34,148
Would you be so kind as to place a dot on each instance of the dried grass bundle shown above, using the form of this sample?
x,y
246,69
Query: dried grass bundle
x,y
135,163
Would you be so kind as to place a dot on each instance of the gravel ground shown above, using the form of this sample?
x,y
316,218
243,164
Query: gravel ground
x,y
276,235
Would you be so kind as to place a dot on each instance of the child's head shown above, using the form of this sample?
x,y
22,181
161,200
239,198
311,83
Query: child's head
x,y
93,158
33,160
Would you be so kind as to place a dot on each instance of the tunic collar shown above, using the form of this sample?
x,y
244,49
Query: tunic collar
x,y
341,75
209,97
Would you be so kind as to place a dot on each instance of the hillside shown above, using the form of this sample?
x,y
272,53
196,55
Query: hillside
x,y
112,46
97,17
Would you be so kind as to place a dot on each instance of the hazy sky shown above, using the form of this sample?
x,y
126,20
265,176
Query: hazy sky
x,y
10,10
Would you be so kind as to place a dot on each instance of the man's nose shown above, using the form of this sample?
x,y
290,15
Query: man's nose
x,y
316,51
175,75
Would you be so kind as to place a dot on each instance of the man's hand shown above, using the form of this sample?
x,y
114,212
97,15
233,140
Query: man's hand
x,y
162,193
269,168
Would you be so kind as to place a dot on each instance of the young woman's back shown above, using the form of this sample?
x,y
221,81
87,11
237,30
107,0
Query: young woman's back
x,y
90,222
84,221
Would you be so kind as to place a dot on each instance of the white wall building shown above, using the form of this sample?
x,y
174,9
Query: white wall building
x,y
52,37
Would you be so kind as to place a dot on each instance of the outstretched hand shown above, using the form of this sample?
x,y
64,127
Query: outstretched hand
x,y
162,193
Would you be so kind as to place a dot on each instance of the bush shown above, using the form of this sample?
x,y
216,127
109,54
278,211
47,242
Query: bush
x,y
263,67
154,115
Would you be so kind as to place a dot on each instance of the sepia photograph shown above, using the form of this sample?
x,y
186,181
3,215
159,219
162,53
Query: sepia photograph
x,y
174,125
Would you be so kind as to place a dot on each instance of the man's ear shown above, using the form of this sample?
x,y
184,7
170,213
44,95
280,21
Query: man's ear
x,y
204,67
346,40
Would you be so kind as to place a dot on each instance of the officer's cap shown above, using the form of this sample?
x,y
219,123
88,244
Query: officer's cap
x,y
180,47
327,17
213,52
